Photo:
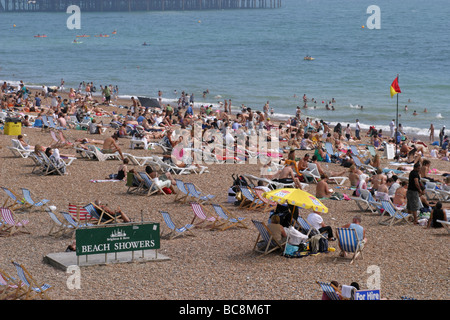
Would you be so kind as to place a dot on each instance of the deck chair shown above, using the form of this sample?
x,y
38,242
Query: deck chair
x,y
311,173
183,193
197,194
172,168
231,220
17,202
79,213
100,156
366,202
366,167
84,124
443,195
101,217
45,123
33,288
33,204
250,200
39,165
139,142
50,167
206,221
134,184
18,149
75,224
174,230
58,228
10,288
372,150
445,224
329,150
53,125
150,186
139,161
306,227
267,244
430,191
329,290
268,204
11,224
393,214
349,242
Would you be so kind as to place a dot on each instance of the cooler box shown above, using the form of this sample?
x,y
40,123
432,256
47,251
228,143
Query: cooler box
x,y
13,126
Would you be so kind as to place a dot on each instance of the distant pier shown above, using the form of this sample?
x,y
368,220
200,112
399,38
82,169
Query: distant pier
x,y
133,5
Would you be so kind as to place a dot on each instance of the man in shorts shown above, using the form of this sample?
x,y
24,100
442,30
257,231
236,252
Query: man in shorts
x,y
414,192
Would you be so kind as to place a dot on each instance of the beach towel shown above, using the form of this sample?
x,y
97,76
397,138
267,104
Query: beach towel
x,y
106,180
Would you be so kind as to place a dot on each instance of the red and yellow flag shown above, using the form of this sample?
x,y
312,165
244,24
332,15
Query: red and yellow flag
x,y
395,88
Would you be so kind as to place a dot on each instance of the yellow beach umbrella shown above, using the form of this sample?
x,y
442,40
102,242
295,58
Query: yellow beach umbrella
x,y
296,197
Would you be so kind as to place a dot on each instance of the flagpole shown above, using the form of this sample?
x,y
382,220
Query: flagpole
x,y
396,124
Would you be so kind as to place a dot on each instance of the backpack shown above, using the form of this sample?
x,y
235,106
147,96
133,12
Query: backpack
x,y
323,245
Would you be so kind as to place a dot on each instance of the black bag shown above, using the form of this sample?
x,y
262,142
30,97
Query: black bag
x,y
323,245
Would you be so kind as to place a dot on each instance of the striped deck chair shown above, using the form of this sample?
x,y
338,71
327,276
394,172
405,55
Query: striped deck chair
x,y
134,184
197,194
102,217
17,202
27,197
305,226
58,228
33,288
79,213
366,202
11,224
394,215
231,220
205,221
183,193
250,201
329,290
174,230
267,244
149,185
366,167
349,242
10,288
268,204
77,225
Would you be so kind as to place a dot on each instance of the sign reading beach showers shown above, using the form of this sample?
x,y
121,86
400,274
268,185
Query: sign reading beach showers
x,y
117,238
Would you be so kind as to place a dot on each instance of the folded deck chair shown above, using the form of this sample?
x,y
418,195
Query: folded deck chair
x,y
329,290
33,204
206,221
197,194
268,243
18,149
33,288
58,228
174,230
394,215
231,220
11,224
349,242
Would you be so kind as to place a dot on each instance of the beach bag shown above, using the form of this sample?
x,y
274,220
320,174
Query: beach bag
x,y
167,190
314,243
323,245
337,196
290,249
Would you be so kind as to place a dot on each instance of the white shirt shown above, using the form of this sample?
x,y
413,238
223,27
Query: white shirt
x,y
315,220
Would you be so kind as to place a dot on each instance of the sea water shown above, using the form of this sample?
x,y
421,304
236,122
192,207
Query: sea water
x,y
252,56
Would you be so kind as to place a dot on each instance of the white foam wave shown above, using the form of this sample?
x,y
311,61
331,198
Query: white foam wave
x,y
439,116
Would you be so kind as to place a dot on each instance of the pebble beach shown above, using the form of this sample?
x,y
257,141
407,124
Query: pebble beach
x,y
214,265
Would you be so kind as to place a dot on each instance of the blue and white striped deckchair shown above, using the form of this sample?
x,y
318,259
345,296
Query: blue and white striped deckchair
x,y
149,185
33,288
61,228
306,226
230,219
17,203
349,242
255,203
329,150
74,223
103,217
174,230
328,289
183,194
27,197
194,193
268,243
394,215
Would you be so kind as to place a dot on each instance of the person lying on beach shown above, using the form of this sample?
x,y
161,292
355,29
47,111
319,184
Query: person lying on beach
x,y
113,213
